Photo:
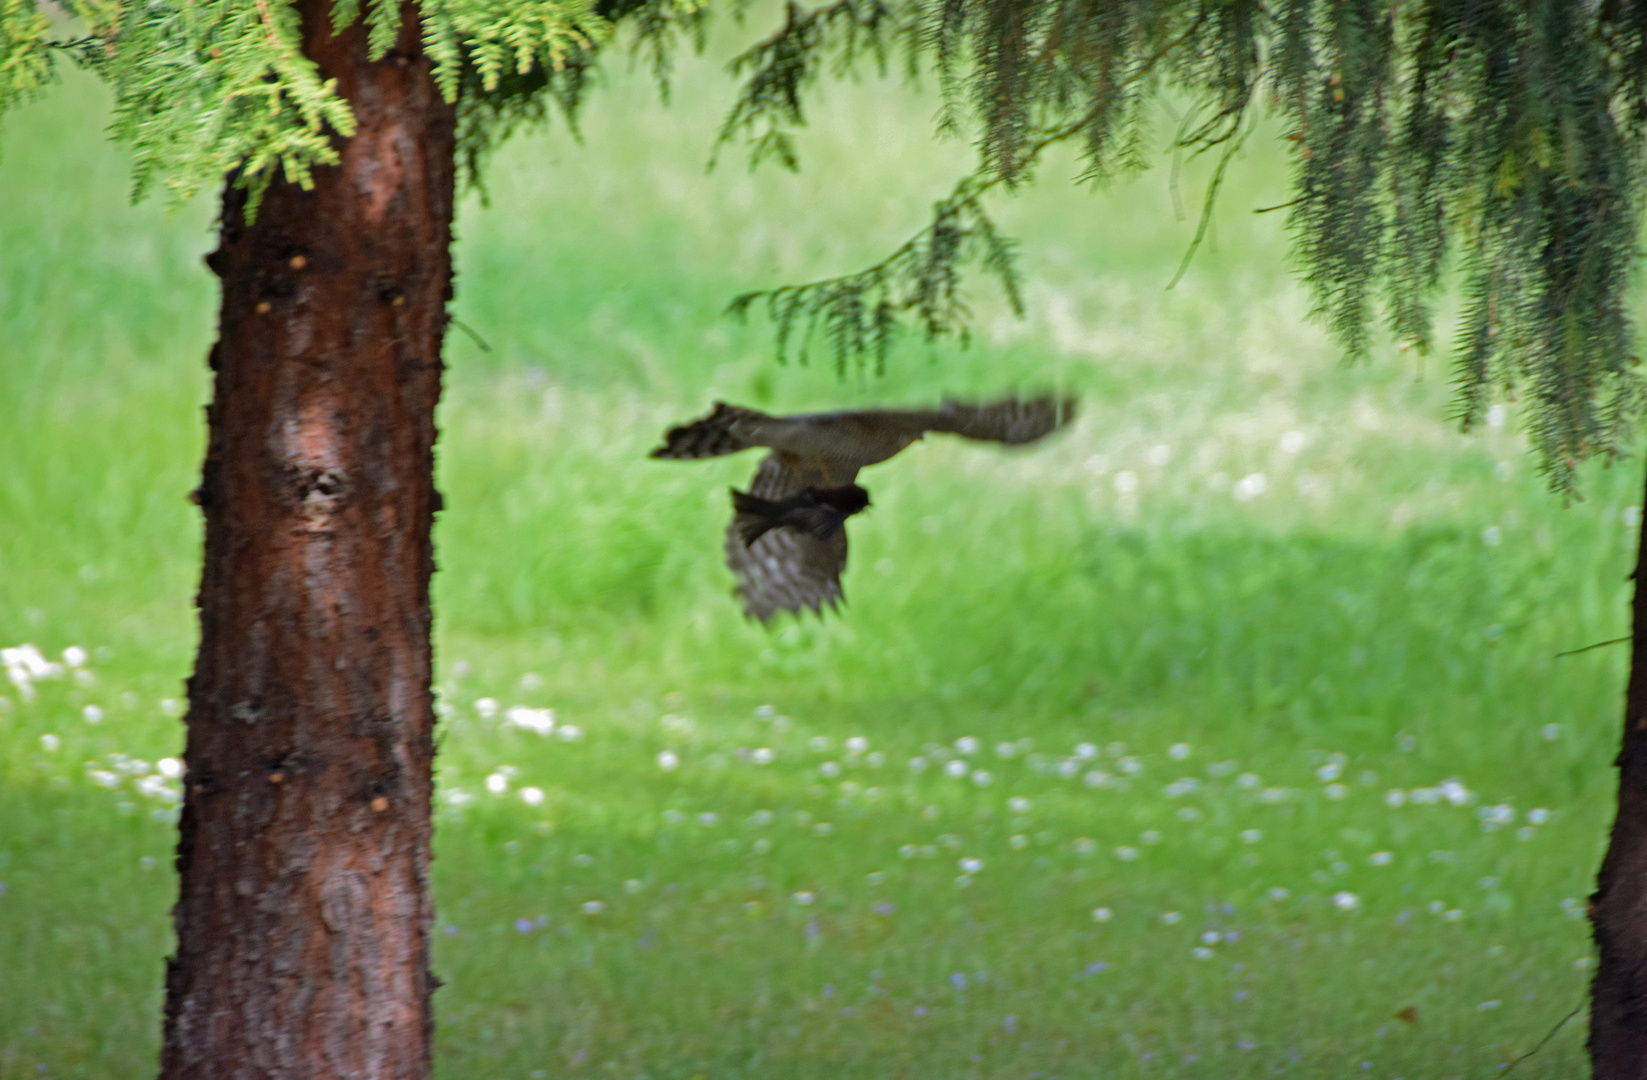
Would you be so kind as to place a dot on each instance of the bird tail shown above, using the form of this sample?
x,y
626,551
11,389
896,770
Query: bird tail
x,y
756,516
709,437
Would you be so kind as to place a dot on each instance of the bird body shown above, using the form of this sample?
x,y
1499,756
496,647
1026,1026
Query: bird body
x,y
818,512
786,542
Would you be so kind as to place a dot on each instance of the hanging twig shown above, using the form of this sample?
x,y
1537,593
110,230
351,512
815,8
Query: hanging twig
x,y
1552,1034
467,329
1597,645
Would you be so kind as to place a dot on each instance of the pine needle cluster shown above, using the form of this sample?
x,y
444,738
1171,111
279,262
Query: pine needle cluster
x,y
208,89
1498,138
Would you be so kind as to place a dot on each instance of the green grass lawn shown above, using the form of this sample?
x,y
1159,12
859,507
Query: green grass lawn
x,y
1197,742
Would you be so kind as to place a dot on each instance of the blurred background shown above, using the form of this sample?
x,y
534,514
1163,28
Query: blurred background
x,y
1222,735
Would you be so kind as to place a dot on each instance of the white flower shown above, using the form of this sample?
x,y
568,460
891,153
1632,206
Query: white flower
x,y
1086,751
593,907
668,760
1345,901
486,707
531,796
763,755
1395,797
1097,778
1006,749
708,818
1335,791
1160,455
1019,805
1249,780
541,721
1150,836
1126,853
93,714
1329,772
830,768
1130,765
74,656
1211,937
1537,816
1492,536
105,778
906,851
1102,914
982,777
1250,487
1201,952
570,733
966,744
1126,482
169,767
497,783
970,865
1454,791
956,768
1170,917
1292,442
1179,751
805,896
857,744
1381,858
1182,786
917,764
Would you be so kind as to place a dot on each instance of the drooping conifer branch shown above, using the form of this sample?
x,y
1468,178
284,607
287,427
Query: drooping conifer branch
x,y
1485,136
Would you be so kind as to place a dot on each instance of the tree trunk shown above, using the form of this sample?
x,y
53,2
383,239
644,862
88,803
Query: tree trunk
x,y
304,917
1618,910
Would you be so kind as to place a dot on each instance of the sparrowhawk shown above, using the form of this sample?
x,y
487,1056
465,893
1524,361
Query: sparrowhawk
x,y
787,539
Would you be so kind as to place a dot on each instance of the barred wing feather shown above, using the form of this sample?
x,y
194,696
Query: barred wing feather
x,y
785,569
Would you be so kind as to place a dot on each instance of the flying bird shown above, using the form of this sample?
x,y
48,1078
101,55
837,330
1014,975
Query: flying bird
x,y
787,540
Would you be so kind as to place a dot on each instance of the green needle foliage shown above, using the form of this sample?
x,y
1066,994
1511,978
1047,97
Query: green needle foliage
x,y
206,89
1502,137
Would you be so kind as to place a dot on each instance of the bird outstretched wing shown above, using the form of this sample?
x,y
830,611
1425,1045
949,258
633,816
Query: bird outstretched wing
x,y
787,568
784,569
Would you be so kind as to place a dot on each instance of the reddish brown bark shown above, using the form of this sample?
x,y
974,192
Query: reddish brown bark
x,y
1618,910
304,915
